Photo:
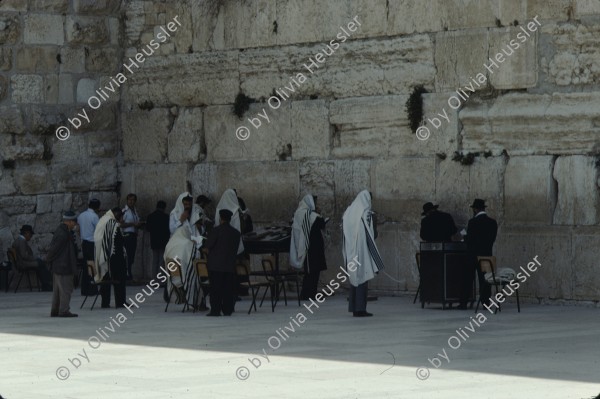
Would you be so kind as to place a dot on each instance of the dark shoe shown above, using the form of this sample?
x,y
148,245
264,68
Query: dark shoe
x,y
226,314
203,308
53,314
68,314
362,314
462,307
47,289
213,314
105,306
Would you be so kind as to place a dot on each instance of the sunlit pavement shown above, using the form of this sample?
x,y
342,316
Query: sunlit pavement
x,y
543,352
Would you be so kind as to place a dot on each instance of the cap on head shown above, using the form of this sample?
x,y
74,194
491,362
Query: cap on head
x,y
69,215
26,228
428,206
94,203
478,204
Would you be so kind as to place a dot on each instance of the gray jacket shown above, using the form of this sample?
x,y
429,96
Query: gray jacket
x,y
61,253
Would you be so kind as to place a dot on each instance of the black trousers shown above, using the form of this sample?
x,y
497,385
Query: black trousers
x,y
222,292
485,289
119,277
44,275
358,297
130,244
87,249
310,283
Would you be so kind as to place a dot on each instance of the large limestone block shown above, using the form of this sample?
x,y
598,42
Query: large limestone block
x,y
317,179
13,5
37,59
350,178
203,179
309,21
21,147
401,186
17,205
27,88
516,246
407,16
517,66
11,120
152,182
43,29
102,60
100,7
56,203
377,126
7,183
585,279
578,200
561,10
186,80
297,130
586,7
33,178
50,6
357,68
525,124
72,59
6,63
574,55
250,24
270,189
10,29
47,223
87,30
103,145
145,134
529,190
103,174
186,139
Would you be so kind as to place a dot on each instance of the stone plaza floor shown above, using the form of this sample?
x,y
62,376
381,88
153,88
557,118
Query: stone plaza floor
x,y
543,352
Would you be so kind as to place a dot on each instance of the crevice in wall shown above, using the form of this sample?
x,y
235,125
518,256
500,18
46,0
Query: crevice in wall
x,y
554,188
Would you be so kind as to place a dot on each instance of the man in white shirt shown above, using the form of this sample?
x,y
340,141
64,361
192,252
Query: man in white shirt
x,y
87,225
130,225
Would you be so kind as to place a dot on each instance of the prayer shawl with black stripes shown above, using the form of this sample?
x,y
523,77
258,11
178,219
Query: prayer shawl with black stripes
x,y
304,218
104,240
359,240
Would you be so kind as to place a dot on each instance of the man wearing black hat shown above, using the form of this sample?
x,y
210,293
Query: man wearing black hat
x,y
63,258
222,246
480,238
436,226
28,261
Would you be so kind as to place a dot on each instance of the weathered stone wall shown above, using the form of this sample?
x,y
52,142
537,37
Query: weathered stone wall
x,y
53,55
534,119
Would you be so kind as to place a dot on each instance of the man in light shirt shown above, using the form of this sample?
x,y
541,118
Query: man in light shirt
x,y
130,225
87,225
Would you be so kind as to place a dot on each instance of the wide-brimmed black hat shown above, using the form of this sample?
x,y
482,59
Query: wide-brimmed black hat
x,y
478,204
428,207
225,214
27,228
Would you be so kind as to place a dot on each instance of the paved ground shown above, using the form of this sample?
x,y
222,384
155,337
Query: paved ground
x,y
543,352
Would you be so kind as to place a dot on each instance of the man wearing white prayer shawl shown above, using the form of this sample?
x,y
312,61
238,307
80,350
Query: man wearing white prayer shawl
x,y
111,257
229,201
359,242
182,248
307,248
180,215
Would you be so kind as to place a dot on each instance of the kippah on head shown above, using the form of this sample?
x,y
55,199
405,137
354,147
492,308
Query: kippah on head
x,y
69,215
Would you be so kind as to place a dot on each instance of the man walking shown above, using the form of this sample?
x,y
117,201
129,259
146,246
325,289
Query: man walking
x,y
63,259
222,245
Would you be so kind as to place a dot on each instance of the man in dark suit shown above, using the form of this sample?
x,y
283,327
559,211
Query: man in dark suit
x,y
158,227
222,246
480,238
436,226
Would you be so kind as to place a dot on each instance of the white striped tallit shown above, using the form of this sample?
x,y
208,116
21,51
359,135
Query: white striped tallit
x,y
304,218
104,240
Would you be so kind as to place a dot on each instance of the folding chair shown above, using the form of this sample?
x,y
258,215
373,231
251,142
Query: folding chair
x,y
202,279
91,270
487,264
181,294
11,253
275,281
242,269
418,259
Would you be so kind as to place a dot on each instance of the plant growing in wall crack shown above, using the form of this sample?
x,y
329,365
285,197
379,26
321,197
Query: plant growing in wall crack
x,y
242,104
414,107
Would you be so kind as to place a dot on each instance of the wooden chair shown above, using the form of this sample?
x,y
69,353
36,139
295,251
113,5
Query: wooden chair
x,y
418,259
11,253
91,271
181,293
276,283
487,264
242,269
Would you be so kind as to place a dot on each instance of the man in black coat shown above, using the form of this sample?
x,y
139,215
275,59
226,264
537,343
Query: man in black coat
x,y
480,238
436,226
157,225
63,259
222,246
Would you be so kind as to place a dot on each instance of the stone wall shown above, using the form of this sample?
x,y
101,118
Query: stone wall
x,y
54,54
533,120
